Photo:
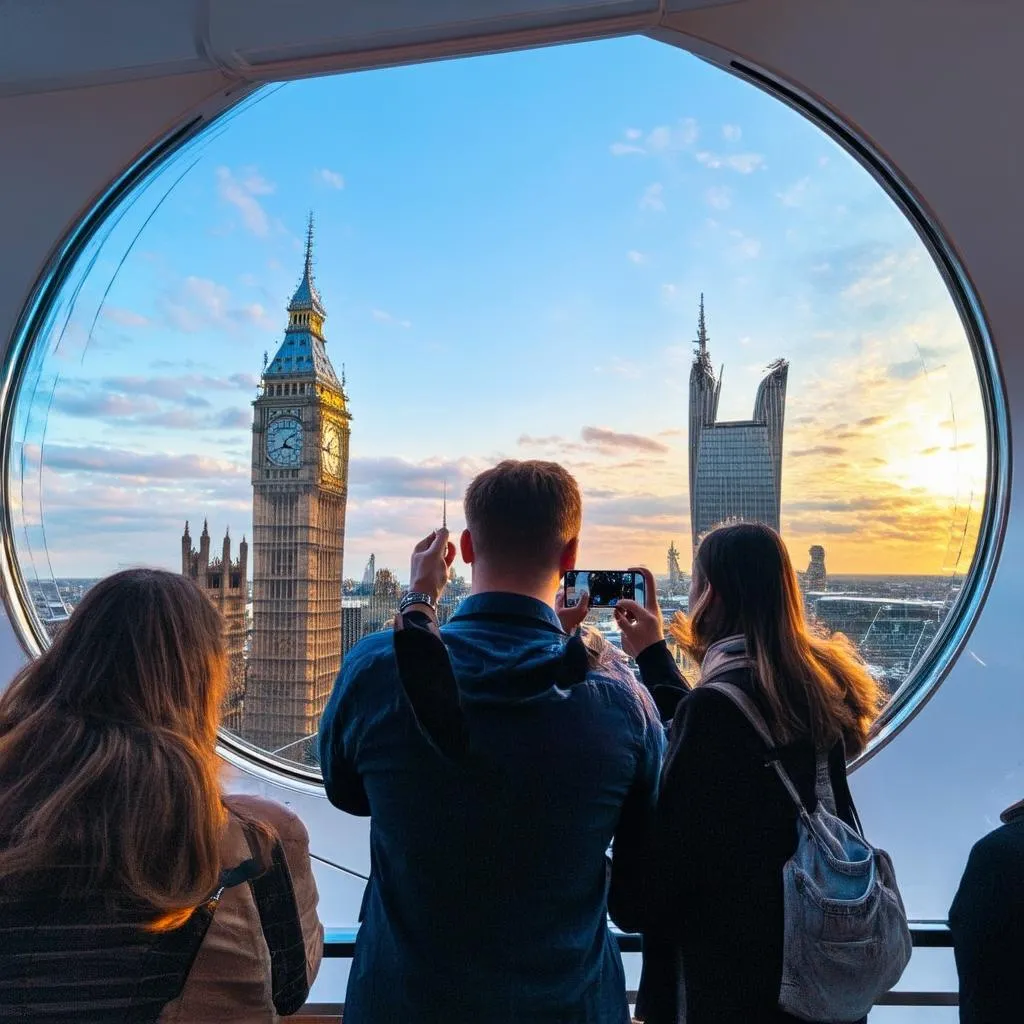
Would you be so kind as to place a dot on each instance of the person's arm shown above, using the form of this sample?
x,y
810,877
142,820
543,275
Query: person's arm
x,y
338,740
988,932
630,885
660,674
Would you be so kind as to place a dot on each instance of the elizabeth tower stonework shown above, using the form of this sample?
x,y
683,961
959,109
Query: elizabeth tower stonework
x,y
300,446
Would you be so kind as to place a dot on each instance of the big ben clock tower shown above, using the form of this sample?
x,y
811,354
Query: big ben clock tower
x,y
300,436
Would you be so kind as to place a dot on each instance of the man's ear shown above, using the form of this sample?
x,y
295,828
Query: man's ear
x,y
567,559
466,547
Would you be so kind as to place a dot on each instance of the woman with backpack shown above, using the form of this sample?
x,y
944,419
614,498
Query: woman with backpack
x,y
131,890
710,900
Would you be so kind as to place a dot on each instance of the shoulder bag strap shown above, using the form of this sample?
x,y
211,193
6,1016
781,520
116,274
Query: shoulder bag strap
x,y
823,782
279,919
756,719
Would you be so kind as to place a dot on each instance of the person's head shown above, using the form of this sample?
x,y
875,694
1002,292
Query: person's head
x,y
107,746
743,583
523,524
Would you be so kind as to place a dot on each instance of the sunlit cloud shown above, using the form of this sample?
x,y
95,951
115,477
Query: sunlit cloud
x,y
731,132
634,256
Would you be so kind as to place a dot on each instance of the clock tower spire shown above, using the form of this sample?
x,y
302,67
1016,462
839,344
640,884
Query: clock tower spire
x,y
300,450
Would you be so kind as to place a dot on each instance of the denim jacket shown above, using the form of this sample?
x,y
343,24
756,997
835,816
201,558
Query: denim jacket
x,y
487,899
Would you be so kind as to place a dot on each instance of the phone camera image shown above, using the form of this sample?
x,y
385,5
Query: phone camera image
x,y
606,587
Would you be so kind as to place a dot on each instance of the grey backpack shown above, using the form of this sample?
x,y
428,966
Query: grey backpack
x,y
846,940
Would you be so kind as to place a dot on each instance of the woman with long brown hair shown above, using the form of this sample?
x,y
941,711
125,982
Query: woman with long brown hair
x,y
710,898
130,888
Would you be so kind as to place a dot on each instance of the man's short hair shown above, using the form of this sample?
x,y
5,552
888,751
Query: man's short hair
x,y
522,514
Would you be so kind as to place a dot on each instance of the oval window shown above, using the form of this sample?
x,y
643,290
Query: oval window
x,y
612,255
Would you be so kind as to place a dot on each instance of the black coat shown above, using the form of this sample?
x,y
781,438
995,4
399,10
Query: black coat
x,y
710,901
987,922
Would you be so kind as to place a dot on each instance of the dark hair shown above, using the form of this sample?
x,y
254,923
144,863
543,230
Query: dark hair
x,y
813,685
108,747
522,514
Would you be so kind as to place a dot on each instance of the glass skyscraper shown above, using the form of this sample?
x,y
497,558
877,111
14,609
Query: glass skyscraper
x,y
735,467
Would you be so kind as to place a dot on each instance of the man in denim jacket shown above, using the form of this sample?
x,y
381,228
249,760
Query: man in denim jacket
x,y
487,898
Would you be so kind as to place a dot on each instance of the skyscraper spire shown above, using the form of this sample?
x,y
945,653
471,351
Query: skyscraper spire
x,y
444,507
702,329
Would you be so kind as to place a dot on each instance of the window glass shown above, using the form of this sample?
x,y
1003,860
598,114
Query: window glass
x,y
612,255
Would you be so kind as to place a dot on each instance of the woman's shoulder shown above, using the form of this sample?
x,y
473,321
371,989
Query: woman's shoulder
x,y
285,822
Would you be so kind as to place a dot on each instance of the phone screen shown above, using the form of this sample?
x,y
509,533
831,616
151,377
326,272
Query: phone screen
x,y
606,587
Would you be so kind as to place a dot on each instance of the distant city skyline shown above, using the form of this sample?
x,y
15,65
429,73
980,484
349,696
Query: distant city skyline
x,y
511,272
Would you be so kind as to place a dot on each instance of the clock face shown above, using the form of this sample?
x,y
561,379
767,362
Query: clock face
x,y
330,456
284,442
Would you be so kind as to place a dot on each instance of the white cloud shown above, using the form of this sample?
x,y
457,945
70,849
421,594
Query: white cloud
x,y
746,247
731,132
329,177
241,191
652,199
878,278
636,257
384,317
822,161
719,197
744,163
795,194
199,304
124,317
670,137
665,138
669,291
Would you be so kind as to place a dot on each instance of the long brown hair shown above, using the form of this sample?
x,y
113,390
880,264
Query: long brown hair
x,y
107,747
745,584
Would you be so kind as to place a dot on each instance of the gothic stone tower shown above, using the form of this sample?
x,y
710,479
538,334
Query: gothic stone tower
x,y
300,444
226,584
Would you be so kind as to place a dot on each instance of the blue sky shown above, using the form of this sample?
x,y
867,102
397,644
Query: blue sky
x,y
510,250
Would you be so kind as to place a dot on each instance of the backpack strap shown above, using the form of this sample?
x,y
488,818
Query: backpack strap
x,y
279,920
823,783
750,711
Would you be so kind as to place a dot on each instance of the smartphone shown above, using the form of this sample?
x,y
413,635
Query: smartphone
x,y
606,587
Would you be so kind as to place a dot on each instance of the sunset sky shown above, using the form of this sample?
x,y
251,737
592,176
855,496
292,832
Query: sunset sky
x,y
511,251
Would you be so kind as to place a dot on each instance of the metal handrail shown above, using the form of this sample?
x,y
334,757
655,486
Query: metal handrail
x,y
340,943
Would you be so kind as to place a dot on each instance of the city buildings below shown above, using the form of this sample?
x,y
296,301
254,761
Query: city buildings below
x,y
735,467
49,605
816,578
891,633
225,583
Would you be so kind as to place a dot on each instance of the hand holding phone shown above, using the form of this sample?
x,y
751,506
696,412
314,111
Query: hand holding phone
x,y
640,623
